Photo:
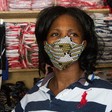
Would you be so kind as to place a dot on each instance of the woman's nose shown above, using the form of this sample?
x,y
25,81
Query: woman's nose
x,y
64,35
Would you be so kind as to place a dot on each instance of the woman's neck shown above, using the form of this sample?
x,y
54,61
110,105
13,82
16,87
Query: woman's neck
x,y
64,78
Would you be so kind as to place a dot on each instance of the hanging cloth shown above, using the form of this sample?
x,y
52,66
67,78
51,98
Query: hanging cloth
x,y
3,62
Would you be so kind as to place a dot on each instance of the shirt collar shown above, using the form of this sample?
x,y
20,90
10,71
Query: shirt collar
x,y
46,80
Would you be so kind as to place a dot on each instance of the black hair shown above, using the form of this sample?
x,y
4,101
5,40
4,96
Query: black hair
x,y
44,21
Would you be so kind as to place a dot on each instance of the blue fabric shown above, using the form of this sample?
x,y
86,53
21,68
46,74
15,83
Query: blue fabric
x,y
5,72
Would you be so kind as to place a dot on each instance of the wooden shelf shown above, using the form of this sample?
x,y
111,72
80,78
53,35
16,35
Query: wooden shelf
x,y
104,66
105,10
18,14
20,20
23,70
33,13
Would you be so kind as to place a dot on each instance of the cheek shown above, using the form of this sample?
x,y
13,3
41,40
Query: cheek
x,y
78,41
51,41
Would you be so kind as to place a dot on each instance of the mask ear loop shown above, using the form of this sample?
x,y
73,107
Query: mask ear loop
x,y
48,69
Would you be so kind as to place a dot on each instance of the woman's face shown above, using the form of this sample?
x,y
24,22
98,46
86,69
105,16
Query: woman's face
x,y
65,25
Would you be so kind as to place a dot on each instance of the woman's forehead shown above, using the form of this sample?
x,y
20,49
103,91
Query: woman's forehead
x,y
66,22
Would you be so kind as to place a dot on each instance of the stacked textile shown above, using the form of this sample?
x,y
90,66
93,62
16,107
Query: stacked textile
x,y
83,4
22,49
19,4
29,4
41,4
3,5
12,45
104,30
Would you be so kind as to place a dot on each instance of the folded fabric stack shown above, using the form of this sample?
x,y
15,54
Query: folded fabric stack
x,y
83,4
3,5
19,4
22,49
29,48
13,45
104,30
40,4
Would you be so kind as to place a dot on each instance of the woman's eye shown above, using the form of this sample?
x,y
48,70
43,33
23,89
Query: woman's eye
x,y
73,35
54,34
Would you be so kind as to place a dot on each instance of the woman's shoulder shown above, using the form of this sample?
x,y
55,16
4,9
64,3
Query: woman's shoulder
x,y
101,83
41,83
35,88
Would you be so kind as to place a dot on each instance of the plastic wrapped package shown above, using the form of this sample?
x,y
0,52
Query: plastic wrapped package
x,y
40,4
3,5
83,4
21,44
65,3
30,45
12,45
103,27
19,4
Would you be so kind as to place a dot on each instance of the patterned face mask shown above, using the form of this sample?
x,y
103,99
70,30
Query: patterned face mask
x,y
63,52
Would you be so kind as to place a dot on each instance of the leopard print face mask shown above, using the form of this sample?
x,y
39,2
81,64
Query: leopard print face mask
x,y
63,52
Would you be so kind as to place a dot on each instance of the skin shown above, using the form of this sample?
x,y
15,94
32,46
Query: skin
x,y
61,27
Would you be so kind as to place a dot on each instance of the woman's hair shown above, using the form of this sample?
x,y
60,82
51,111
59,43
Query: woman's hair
x,y
45,19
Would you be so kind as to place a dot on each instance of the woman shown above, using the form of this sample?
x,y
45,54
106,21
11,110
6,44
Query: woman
x,y
68,46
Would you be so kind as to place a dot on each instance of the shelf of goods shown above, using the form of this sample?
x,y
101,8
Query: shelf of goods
x,y
34,13
26,75
30,16
23,70
19,16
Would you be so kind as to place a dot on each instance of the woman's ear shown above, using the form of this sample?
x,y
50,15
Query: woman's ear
x,y
85,43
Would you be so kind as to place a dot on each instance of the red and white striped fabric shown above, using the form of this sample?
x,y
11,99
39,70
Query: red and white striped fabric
x,y
40,4
83,4
21,45
19,4
3,5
